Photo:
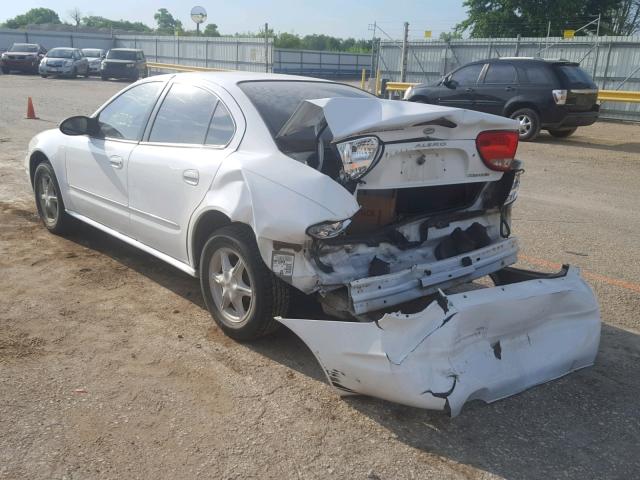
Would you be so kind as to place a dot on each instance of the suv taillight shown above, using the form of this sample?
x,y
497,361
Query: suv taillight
x,y
497,148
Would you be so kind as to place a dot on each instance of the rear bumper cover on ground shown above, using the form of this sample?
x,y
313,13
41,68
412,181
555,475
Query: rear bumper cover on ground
x,y
484,344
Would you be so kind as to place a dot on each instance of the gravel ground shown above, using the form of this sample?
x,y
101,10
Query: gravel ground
x,y
110,366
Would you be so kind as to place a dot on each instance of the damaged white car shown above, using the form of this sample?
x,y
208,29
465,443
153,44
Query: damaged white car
x,y
379,214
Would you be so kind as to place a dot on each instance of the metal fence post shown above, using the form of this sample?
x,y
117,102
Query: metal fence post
x,y
517,54
266,47
156,49
26,37
606,66
237,54
403,60
206,53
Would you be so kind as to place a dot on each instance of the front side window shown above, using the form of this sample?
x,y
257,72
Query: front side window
x,y
467,75
184,115
126,116
502,73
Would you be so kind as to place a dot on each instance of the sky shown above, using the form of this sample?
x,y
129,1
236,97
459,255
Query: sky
x,y
340,18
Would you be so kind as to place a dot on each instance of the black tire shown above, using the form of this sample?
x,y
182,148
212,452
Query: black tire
x,y
104,78
269,295
529,121
74,73
5,70
60,222
43,75
564,133
145,74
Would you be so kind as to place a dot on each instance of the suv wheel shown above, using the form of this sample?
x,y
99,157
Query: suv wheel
x,y
241,293
563,133
529,123
49,200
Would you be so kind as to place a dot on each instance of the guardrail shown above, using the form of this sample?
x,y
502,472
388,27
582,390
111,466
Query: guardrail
x,y
183,68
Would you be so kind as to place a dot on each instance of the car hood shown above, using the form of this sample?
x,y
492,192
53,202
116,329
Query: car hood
x,y
117,61
348,117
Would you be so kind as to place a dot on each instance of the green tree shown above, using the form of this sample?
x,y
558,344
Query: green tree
x,y
211,30
287,40
508,18
98,22
167,25
35,16
448,36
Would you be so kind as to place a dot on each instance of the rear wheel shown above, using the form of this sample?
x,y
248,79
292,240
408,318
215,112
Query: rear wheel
x,y
49,200
528,123
564,133
104,77
241,293
43,75
74,73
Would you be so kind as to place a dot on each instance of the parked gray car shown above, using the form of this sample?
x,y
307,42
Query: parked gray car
x,y
62,61
95,57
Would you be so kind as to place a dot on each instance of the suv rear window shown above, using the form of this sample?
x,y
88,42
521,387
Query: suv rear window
x,y
539,74
576,77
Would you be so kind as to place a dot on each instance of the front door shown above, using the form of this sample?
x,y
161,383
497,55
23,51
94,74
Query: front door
x,y
173,168
97,166
461,89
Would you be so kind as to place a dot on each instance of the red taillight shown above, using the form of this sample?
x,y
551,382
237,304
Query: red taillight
x,y
497,148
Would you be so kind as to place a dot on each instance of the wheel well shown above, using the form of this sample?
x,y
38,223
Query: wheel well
x,y
517,106
208,222
419,99
36,159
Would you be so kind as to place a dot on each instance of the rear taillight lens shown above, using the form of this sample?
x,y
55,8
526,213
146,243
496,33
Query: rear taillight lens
x,y
497,148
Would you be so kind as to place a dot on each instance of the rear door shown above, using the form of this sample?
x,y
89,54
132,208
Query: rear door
x,y
97,166
500,83
172,169
462,87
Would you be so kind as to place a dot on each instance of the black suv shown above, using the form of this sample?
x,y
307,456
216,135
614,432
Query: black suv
x,y
128,63
556,95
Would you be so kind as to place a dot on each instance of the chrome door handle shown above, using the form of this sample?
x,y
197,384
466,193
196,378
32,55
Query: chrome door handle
x,y
192,177
116,161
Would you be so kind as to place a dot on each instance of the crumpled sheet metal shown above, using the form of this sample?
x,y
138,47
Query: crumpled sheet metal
x,y
484,344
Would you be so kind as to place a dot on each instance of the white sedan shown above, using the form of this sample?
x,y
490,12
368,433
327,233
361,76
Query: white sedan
x,y
383,213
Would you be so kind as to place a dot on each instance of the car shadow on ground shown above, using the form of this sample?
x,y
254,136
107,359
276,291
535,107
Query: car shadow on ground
x,y
628,147
585,425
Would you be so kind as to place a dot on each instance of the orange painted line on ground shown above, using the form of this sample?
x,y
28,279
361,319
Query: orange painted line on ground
x,y
634,287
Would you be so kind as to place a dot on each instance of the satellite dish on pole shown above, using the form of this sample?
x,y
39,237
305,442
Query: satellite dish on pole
x,y
198,15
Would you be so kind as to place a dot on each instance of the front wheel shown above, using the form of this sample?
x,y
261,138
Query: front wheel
x,y
241,293
528,123
49,200
564,133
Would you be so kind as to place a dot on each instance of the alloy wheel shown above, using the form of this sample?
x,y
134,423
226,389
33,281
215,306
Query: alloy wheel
x,y
48,198
231,285
524,124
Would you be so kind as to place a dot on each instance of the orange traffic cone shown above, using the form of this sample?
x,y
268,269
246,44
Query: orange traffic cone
x,y
31,113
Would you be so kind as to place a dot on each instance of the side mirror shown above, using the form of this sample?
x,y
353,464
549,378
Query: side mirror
x,y
449,82
79,125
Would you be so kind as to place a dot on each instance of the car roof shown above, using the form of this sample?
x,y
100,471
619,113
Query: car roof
x,y
65,48
126,49
234,77
533,60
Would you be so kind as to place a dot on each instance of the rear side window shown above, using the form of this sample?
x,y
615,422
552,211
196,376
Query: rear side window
x,y
221,128
501,73
539,74
126,116
468,75
576,77
183,116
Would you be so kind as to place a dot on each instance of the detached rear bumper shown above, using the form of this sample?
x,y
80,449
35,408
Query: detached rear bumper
x,y
484,344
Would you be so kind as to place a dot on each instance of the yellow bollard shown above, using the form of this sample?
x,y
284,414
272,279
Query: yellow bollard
x,y
364,76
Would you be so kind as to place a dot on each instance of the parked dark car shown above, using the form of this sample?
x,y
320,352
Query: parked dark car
x,y
64,62
23,57
555,95
127,63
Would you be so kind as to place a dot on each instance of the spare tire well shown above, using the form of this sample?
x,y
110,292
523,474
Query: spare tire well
x,y
207,223
36,159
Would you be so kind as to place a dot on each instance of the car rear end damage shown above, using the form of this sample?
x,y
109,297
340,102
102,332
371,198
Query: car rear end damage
x,y
484,344
435,186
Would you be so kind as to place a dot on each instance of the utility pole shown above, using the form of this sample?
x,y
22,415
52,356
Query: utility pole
x,y
373,46
403,65
546,43
266,47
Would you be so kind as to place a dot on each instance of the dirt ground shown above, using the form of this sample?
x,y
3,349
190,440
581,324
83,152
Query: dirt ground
x,y
110,366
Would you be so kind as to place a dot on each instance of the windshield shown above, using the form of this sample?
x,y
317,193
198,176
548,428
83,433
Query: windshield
x,y
276,100
121,55
60,53
23,47
92,52
576,77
